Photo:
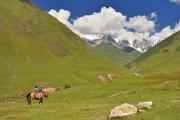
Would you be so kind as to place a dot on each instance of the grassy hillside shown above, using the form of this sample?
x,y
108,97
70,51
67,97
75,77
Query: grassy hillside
x,y
161,60
114,54
35,48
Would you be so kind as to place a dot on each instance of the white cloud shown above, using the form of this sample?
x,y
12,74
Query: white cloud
x,y
177,27
153,15
110,22
164,33
107,21
175,1
62,15
141,24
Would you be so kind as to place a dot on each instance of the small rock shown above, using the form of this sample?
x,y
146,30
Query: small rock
x,y
143,105
141,110
175,101
123,110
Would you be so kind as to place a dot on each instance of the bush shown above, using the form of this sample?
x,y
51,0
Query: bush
x,y
178,48
165,50
66,86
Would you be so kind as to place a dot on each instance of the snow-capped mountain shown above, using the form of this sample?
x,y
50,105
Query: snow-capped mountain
x,y
141,46
106,39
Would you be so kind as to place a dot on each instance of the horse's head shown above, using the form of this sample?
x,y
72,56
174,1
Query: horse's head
x,y
46,94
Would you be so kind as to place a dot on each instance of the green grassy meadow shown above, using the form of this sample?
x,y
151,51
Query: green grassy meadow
x,y
94,102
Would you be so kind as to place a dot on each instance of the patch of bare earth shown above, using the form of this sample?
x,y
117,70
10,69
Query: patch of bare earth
x,y
29,60
48,87
108,78
12,71
12,98
136,71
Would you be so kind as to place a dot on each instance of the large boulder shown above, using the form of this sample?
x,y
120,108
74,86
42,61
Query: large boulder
x,y
144,105
123,110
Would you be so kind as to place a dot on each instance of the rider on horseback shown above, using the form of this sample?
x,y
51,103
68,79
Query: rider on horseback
x,y
37,90
37,94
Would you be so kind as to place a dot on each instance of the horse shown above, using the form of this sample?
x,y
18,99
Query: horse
x,y
36,96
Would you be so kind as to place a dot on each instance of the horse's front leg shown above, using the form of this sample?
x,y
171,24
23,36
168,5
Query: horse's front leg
x,y
41,101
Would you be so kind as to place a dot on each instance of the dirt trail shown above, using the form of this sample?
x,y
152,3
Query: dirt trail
x,y
121,93
50,89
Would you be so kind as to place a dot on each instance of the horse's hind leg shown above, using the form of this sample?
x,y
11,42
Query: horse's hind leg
x,y
29,102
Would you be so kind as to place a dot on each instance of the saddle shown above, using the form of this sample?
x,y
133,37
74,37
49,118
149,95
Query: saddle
x,y
37,95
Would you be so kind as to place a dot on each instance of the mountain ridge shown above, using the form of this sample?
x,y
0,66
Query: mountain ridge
x,y
163,58
141,46
107,47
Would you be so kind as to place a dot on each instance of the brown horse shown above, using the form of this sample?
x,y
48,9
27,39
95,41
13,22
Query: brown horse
x,y
36,96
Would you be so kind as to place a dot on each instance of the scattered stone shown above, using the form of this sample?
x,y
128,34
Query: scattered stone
x,y
110,77
12,102
123,110
144,105
101,78
176,100
141,110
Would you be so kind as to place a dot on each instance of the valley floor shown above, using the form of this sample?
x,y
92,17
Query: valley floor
x,y
94,102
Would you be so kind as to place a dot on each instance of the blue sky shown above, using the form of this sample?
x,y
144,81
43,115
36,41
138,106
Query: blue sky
x,y
168,13
151,20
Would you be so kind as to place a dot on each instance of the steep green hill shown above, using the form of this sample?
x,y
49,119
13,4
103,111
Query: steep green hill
x,y
114,54
35,48
161,60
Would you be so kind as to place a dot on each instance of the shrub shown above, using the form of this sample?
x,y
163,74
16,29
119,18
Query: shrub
x,y
66,86
178,48
165,50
